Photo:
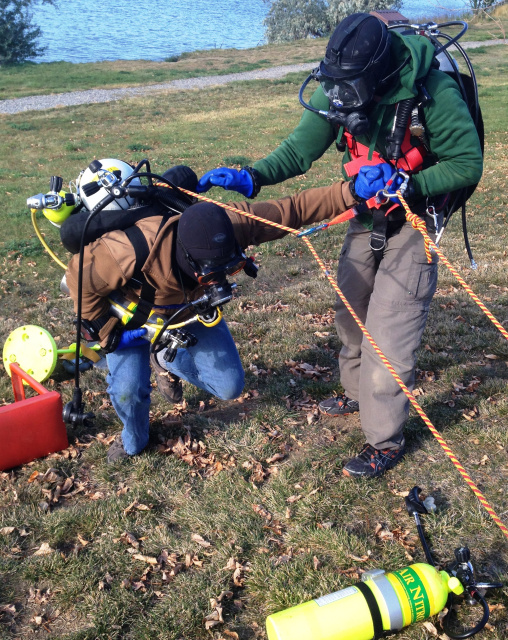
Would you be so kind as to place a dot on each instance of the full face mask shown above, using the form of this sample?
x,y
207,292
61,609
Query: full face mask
x,y
356,61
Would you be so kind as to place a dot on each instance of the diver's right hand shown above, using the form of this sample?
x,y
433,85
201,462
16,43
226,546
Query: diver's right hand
x,y
229,179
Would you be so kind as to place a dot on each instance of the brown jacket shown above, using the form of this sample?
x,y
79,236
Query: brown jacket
x,y
109,261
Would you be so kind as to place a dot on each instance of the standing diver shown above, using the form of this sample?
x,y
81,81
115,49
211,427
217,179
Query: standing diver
x,y
372,83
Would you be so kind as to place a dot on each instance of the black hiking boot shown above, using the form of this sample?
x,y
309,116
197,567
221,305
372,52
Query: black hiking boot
x,y
339,406
371,463
169,385
116,451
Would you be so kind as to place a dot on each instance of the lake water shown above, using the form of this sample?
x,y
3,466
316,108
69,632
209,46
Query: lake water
x,y
83,31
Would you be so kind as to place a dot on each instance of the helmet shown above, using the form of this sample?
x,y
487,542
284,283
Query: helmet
x,y
357,59
91,192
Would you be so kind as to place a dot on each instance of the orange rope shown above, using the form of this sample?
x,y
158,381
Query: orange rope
x,y
411,217
420,225
409,395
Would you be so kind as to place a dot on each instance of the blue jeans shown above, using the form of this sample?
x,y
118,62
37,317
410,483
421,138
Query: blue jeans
x,y
213,364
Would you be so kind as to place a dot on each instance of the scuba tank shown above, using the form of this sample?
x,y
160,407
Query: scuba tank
x,y
387,602
382,602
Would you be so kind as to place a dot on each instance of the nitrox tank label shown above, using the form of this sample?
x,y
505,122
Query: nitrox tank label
x,y
416,594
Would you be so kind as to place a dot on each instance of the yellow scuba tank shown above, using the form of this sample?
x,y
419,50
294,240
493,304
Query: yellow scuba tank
x,y
381,602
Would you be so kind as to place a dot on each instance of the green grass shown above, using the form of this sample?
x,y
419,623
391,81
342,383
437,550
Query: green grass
x,y
58,77
91,586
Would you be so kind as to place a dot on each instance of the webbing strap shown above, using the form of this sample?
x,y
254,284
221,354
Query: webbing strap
x,y
377,239
147,295
373,608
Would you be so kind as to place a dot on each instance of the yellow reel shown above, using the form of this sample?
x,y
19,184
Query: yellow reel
x,y
34,349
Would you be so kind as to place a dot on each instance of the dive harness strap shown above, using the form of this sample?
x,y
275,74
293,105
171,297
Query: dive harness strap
x,y
377,239
147,294
373,608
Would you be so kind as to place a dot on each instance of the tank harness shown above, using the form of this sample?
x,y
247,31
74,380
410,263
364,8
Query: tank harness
x,y
167,203
407,150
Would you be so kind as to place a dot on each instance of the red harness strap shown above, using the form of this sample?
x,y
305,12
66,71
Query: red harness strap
x,y
411,161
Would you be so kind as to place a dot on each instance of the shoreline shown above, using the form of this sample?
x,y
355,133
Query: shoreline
x,y
13,106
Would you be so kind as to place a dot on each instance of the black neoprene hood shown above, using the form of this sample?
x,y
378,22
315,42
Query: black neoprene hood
x,y
206,234
360,44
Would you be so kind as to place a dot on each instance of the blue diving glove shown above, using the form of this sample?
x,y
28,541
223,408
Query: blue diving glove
x,y
371,179
229,179
132,338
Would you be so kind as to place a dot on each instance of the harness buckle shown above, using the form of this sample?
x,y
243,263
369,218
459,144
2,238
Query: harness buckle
x,y
377,241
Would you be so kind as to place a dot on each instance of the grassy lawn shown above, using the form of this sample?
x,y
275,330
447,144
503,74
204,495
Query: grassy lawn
x,y
57,77
257,516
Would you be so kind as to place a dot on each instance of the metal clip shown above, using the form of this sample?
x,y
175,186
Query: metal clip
x,y
391,195
431,211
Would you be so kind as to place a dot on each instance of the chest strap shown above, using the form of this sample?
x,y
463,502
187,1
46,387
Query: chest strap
x,y
411,161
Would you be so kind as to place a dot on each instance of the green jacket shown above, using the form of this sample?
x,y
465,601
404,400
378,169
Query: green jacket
x,y
451,133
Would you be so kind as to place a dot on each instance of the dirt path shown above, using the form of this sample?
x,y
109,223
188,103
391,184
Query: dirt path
x,y
73,98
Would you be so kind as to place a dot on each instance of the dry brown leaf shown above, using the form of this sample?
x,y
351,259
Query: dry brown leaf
x,y
431,628
135,505
231,634
261,511
275,458
316,563
148,559
33,476
128,538
209,624
197,538
238,577
44,550
9,609
295,498
357,558
5,531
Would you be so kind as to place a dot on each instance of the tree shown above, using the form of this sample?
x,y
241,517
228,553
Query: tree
x,y
18,36
296,19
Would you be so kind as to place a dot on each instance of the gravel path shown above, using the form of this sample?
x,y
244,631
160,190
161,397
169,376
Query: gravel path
x,y
73,98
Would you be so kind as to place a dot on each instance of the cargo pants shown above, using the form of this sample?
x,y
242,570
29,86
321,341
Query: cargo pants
x,y
392,298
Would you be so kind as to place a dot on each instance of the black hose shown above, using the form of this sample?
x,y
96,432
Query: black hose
x,y
143,163
302,101
455,38
423,541
476,629
150,176
166,325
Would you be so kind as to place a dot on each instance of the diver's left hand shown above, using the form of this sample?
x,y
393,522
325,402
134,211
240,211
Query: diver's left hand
x,y
373,178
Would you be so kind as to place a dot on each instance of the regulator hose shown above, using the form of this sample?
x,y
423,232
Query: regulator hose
x,y
476,629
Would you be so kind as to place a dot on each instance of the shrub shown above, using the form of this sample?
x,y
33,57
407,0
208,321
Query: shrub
x,y
296,19
18,36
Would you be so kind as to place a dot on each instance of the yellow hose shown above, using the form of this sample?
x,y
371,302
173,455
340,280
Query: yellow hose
x,y
43,241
